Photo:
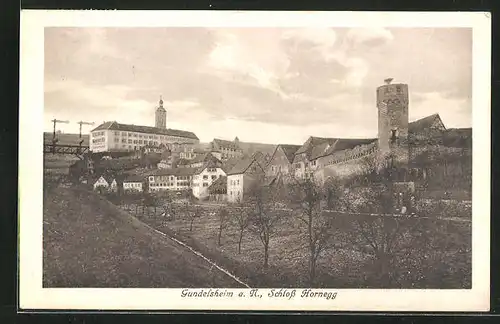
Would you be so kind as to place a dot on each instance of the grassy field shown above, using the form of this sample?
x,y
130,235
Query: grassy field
x,y
88,242
445,263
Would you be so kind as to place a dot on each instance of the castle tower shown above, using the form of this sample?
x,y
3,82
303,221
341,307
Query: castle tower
x,y
392,104
161,116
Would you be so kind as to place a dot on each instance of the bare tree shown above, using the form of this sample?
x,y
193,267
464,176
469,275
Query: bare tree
x,y
263,218
223,215
374,229
242,218
307,197
193,215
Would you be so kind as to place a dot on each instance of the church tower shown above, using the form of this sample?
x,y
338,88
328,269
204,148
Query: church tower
x,y
161,116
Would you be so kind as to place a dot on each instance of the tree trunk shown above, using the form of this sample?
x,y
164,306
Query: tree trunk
x,y
266,255
239,241
312,268
220,234
191,225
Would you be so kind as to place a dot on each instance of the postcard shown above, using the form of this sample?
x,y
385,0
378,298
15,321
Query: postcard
x,y
262,161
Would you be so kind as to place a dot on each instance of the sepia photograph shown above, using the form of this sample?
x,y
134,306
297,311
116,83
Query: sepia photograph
x,y
284,166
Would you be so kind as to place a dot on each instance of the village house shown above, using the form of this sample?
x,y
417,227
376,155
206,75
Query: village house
x,y
205,176
304,162
201,160
281,161
133,182
227,149
102,182
242,176
175,179
165,164
147,149
190,152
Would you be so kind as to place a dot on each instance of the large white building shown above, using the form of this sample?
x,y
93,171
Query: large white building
x,y
113,136
116,137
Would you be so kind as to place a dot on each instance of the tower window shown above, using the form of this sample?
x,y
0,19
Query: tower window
x,y
393,135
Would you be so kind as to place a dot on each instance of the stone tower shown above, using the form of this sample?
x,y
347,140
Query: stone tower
x,y
392,104
161,116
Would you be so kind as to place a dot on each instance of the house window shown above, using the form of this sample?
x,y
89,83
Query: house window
x,y
238,182
214,177
205,177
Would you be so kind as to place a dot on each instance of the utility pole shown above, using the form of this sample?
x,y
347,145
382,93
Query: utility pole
x,y
80,135
84,123
55,121
54,139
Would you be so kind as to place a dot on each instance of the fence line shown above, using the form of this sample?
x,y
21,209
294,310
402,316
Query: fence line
x,y
452,219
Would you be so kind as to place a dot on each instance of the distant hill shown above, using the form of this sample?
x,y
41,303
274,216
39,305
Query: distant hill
x,y
66,139
249,148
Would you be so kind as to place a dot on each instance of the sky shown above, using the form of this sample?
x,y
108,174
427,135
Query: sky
x,y
268,85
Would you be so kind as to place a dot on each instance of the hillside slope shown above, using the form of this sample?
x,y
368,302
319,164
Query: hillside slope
x,y
88,242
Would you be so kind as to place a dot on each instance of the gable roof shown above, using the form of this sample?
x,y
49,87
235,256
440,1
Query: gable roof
x,y
224,143
144,129
319,147
175,172
289,150
230,163
313,141
243,165
107,177
260,158
134,178
424,123
211,162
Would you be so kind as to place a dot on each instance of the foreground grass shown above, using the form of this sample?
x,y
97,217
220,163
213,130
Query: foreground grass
x,y
88,242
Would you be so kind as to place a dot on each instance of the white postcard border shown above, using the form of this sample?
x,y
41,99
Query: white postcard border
x,y
33,296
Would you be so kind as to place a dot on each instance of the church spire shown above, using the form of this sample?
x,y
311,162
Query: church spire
x,y
161,102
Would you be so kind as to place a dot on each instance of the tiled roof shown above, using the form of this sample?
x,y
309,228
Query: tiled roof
x,y
312,142
260,158
289,150
243,165
211,162
224,143
176,172
145,129
230,163
134,178
340,144
423,123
